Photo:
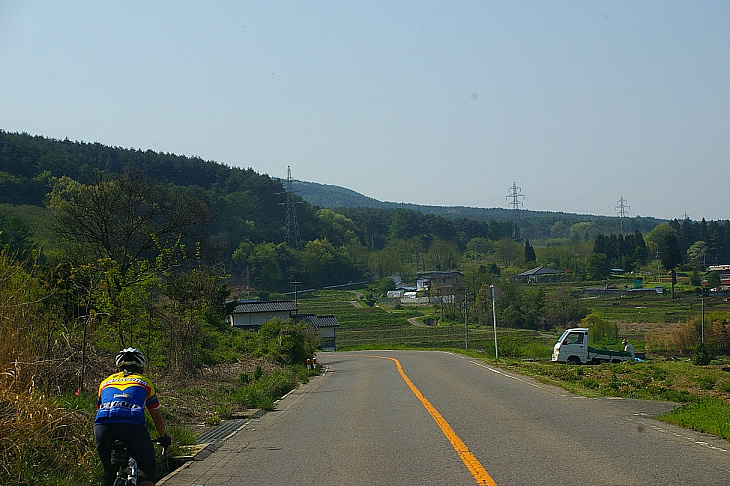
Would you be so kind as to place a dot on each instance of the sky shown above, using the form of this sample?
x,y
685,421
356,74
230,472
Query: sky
x,y
583,107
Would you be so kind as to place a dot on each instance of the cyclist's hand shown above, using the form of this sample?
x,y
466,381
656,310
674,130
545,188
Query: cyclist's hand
x,y
164,441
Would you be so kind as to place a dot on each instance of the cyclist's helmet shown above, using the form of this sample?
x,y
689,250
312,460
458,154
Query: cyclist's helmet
x,y
131,357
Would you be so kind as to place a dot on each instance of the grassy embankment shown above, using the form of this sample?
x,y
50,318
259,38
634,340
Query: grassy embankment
x,y
704,391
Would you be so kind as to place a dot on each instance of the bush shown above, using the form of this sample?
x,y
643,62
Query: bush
x,y
288,342
264,392
601,330
701,356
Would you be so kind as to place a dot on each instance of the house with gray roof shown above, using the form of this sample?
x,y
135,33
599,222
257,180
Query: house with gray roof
x,y
252,315
325,325
538,274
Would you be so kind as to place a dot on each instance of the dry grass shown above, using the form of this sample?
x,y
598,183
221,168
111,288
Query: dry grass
x,y
39,438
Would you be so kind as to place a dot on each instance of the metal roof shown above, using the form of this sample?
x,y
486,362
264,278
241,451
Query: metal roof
x,y
539,271
265,306
319,321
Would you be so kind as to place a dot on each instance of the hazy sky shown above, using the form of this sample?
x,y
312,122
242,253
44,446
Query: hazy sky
x,y
443,103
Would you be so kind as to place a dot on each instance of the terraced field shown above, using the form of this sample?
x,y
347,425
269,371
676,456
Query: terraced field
x,y
362,326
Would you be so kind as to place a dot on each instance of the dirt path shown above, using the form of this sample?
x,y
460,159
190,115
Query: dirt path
x,y
415,322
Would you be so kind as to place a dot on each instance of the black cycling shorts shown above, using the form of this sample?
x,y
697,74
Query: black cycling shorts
x,y
135,438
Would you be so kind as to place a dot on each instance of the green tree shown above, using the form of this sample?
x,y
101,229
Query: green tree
x,y
563,309
713,280
670,254
288,342
529,253
659,233
585,231
696,254
118,227
402,225
443,255
14,234
385,285
508,251
478,248
597,267
522,306
268,272
600,329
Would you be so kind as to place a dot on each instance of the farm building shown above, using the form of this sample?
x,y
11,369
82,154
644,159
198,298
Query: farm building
x,y
325,325
538,274
252,315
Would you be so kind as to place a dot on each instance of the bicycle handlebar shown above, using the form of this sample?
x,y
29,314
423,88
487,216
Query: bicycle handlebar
x,y
164,448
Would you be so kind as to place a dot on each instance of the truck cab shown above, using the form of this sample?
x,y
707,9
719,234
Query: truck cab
x,y
572,346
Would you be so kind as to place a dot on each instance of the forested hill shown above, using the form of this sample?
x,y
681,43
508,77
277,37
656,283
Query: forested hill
x,y
28,162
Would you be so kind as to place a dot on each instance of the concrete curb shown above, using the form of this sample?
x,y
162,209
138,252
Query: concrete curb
x,y
203,450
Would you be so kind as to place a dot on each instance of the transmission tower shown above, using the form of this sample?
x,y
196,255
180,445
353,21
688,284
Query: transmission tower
x,y
292,237
515,204
622,210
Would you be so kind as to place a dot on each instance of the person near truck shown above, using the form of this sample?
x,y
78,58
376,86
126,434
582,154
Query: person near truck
x,y
629,348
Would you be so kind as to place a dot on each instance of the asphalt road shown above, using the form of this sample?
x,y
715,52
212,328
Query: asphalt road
x,y
444,419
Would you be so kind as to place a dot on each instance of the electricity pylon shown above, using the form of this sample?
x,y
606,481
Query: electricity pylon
x,y
515,205
622,209
292,237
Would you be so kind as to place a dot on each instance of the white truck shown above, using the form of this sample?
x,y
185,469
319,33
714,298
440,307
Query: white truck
x,y
572,348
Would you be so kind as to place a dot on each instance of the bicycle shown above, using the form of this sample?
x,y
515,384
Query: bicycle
x,y
128,469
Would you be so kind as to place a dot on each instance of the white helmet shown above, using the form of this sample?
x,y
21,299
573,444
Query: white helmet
x,y
131,357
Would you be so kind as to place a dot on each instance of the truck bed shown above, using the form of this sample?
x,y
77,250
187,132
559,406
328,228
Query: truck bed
x,y
608,352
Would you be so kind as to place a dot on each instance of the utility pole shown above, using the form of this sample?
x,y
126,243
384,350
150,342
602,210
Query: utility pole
x,y
466,321
296,300
703,315
494,318
515,204
622,210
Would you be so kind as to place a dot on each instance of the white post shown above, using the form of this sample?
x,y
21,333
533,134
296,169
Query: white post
x,y
494,319
466,322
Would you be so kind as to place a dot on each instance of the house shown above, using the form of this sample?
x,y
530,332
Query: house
x,y
325,325
440,283
252,315
538,274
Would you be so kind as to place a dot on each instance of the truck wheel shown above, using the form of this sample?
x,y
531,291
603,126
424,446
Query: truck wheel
x,y
573,360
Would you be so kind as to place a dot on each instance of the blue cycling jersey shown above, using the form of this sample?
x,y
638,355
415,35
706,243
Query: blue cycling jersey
x,y
122,399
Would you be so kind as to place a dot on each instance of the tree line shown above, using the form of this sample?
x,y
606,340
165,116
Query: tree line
x,y
242,223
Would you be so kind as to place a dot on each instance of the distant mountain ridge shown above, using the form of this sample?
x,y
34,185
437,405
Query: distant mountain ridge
x,y
334,197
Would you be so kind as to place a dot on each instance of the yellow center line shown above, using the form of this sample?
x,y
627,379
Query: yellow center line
x,y
471,462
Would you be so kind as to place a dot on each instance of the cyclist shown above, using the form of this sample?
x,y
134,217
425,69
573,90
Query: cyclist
x,y
120,405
